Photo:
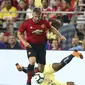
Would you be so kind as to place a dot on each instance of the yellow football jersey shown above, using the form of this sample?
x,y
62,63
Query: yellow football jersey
x,y
50,77
11,13
38,3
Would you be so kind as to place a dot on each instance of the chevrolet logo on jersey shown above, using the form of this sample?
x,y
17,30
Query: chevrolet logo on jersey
x,y
37,32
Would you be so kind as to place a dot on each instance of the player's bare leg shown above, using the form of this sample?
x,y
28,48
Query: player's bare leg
x,y
41,67
66,60
30,69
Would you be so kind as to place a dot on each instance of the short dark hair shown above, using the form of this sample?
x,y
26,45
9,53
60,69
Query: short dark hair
x,y
68,1
37,10
46,1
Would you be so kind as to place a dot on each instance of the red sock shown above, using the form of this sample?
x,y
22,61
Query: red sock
x,y
29,76
36,70
30,73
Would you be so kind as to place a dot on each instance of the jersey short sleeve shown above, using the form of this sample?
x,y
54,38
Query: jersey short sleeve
x,y
48,25
22,27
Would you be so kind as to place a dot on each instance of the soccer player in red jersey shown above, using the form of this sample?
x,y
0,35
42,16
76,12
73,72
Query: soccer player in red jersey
x,y
35,29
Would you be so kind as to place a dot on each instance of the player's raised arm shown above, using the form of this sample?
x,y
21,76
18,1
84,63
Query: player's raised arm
x,y
54,30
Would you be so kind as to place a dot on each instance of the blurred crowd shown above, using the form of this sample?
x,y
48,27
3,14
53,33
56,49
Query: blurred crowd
x,y
71,25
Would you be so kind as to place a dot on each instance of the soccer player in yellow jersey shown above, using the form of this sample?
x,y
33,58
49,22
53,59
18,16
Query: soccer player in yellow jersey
x,y
50,69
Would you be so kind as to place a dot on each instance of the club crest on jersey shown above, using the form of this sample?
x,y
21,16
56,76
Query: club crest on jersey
x,y
31,27
42,25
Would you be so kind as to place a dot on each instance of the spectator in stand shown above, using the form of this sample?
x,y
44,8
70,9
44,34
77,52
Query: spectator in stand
x,y
23,7
10,28
8,13
68,31
45,7
2,45
30,8
66,7
76,45
55,45
56,5
13,43
6,35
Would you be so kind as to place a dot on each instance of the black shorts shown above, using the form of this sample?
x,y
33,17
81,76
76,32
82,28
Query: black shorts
x,y
39,51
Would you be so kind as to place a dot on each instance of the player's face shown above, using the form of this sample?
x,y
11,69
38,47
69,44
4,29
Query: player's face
x,y
36,17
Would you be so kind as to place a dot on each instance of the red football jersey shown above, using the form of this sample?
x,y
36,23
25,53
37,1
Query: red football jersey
x,y
35,32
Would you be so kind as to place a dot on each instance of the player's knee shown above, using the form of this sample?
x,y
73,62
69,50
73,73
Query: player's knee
x,y
56,66
32,60
41,69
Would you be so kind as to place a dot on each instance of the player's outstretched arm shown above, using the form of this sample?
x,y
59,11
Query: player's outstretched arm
x,y
54,30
